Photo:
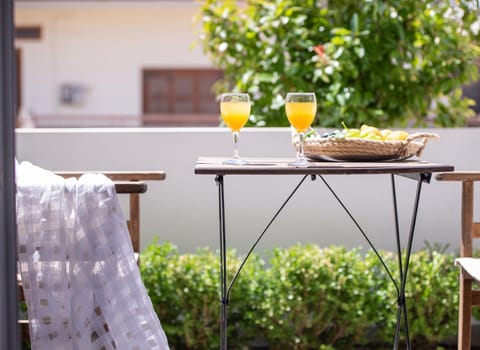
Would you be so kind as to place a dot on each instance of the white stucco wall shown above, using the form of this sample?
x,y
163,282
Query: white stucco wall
x,y
103,46
184,210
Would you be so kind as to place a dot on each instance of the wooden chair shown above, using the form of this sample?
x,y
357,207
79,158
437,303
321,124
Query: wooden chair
x,y
126,183
469,266
133,184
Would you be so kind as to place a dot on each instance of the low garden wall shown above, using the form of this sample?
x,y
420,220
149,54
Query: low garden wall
x,y
183,208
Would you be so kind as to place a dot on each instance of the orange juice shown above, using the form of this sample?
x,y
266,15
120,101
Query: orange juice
x,y
235,114
301,114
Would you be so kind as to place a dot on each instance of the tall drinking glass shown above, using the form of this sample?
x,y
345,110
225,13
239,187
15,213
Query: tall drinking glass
x,y
235,110
300,108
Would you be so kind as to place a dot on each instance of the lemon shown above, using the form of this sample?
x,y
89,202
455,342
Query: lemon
x,y
372,136
398,135
367,129
385,133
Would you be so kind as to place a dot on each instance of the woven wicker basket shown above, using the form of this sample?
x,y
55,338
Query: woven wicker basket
x,y
318,148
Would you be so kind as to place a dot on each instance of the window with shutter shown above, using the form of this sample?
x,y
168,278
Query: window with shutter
x,y
180,97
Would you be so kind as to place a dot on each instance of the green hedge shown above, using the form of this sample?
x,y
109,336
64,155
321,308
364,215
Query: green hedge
x,y
304,297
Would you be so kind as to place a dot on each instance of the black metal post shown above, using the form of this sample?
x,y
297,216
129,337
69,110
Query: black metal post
x,y
223,264
402,304
9,335
400,296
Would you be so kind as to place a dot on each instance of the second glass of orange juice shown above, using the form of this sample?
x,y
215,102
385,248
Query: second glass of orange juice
x,y
235,110
300,108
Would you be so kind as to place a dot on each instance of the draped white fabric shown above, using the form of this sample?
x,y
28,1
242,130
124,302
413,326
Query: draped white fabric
x,y
471,265
81,282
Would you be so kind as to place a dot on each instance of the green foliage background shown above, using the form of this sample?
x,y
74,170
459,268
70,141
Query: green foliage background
x,y
387,63
303,298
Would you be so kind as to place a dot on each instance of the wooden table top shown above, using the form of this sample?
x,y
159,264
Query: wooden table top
x,y
279,166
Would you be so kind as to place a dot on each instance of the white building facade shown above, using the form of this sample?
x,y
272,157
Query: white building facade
x,y
89,59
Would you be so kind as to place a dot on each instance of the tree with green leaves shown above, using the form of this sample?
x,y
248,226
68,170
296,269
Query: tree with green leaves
x,y
389,63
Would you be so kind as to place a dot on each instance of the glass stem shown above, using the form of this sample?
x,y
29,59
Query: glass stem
x,y
236,136
301,137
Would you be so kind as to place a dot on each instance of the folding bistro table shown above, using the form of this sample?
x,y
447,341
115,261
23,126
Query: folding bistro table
x,y
417,170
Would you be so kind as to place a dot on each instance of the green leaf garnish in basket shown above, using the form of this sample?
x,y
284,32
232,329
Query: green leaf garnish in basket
x,y
310,132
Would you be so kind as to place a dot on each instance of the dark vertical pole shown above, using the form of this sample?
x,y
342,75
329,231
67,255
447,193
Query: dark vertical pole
x,y
400,299
223,264
8,282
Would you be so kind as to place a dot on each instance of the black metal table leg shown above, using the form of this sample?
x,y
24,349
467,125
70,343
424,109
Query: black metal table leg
x,y
403,268
224,291
223,264
402,265
400,302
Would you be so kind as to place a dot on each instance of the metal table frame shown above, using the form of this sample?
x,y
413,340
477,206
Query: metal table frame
x,y
419,171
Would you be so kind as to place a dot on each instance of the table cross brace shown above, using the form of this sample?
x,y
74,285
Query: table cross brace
x,y
402,265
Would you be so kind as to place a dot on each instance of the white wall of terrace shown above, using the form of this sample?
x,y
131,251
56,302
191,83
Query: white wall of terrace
x,y
184,210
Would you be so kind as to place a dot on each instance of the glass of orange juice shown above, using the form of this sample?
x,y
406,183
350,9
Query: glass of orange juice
x,y
300,108
235,110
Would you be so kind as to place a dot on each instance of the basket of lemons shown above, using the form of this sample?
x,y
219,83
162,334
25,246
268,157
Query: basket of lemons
x,y
367,143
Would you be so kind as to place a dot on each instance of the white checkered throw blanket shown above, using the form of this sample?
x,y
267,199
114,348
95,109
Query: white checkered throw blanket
x,y
80,278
